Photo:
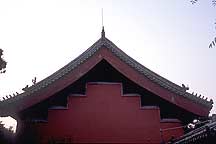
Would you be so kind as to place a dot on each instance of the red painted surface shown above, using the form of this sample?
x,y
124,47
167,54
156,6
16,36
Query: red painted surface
x,y
103,115
144,82
122,67
171,129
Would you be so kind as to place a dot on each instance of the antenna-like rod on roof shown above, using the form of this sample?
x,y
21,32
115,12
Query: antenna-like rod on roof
x,y
103,32
102,17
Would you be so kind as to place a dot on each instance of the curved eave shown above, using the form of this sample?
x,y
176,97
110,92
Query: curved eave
x,y
198,134
162,82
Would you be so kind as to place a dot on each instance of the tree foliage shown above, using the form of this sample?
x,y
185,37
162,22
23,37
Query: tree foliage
x,y
213,2
196,1
3,63
6,135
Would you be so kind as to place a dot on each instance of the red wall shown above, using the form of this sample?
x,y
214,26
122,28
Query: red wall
x,y
103,115
123,68
171,129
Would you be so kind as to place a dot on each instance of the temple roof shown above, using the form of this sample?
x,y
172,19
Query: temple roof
x,y
205,133
101,43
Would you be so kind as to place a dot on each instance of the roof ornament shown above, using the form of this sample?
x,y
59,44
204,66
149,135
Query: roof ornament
x,y
34,80
9,96
211,101
185,88
25,88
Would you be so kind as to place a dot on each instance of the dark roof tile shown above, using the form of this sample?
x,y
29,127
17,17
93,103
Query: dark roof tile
x,y
125,58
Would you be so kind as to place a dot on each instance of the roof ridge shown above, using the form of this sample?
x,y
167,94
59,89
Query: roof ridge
x,y
57,74
163,82
156,78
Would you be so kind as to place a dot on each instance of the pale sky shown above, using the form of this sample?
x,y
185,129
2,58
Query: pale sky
x,y
169,37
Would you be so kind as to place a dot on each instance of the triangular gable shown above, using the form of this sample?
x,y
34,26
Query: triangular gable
x,y
105,49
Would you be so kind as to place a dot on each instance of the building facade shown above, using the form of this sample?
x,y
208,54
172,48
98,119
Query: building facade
x,y
103,96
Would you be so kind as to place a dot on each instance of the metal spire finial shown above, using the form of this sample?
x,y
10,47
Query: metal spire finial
x,y
103,32
102,16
